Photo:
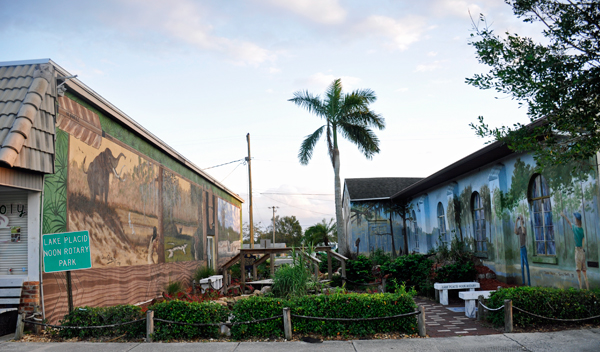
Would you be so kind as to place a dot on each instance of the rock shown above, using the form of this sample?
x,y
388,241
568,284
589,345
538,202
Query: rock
x,y
255,293
265,289
490,276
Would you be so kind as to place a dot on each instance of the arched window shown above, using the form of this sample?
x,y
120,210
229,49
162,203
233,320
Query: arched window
x,y
479,224
442,223
413,221
541,209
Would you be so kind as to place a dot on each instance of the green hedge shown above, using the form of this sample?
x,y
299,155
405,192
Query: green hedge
x,y
97,316
337,305
189,312
548,302
359,270
258,307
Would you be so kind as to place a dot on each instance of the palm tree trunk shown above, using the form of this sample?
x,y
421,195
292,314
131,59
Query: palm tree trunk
x,y
341,230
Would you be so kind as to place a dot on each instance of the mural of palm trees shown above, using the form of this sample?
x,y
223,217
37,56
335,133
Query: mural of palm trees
x,y
348,115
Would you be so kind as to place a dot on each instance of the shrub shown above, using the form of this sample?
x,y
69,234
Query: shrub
x,y
413,269
258,307
548,302
97,316
173,288
335,264
203,272
359,270
188,312
380,257
235,271
456,272
292,280
337,305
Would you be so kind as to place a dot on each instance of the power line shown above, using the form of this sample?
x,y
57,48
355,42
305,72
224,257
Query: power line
x,y
302,194
293,206
231,162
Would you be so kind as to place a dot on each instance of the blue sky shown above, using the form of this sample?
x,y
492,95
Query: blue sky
x,y
202,74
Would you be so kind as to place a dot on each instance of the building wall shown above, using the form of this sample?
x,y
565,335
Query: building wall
x,y
148,215
370,222
505,190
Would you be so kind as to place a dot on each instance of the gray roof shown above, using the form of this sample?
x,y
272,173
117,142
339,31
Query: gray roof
x,y
27,113
377,187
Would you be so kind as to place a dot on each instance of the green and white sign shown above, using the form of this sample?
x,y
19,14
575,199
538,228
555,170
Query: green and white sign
x,y
67,251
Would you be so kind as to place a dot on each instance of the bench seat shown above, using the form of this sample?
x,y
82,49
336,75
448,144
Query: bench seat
x,y
470,298
444,287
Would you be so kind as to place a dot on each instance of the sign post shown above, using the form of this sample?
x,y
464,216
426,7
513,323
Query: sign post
x,y
65,252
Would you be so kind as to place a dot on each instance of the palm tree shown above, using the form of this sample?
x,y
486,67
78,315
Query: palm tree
x,y
349,116
322,232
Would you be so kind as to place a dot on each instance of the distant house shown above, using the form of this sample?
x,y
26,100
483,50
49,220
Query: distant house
x,y
369,215
478,200
72,161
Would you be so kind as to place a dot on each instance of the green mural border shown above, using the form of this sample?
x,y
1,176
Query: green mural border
x,y
130,138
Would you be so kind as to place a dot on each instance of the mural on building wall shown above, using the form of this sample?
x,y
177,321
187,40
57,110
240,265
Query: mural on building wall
x,y
371,230
229,230
113,193
520,221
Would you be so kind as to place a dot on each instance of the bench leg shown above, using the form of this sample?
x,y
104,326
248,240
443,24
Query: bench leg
x,y
470,308
437,295
444,298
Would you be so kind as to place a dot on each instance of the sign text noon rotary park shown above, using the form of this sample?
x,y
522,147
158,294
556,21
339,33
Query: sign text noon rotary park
x,y
67,251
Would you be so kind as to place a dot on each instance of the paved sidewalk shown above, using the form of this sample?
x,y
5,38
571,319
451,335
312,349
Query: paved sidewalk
x,y
442,322
562,341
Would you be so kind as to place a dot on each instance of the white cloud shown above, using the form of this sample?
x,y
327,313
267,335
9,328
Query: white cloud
x,y
399,32
269,91
432,53
459,8
321,11
429,67
402,90
273,70
320,81
187,21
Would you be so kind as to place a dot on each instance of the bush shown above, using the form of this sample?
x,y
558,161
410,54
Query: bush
x,y
188,312
203,272
380,257
258,307
359,270
97,316
335,264
456,272
548,302
337,305
173,288
292,280
413,269
235,271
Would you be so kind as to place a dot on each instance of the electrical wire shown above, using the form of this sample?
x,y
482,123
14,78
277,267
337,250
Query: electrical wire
x,y
231,162
293,206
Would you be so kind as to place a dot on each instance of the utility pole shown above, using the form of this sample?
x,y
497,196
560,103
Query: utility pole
x,y
273,207
250,194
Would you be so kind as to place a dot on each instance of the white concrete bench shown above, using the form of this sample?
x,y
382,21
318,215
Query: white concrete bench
x,y
443,298
470,298
216,282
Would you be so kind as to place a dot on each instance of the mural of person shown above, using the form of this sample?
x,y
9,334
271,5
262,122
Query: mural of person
x,y
521,231
579,251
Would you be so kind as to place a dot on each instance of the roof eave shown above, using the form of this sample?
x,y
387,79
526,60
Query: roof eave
x,y
85,91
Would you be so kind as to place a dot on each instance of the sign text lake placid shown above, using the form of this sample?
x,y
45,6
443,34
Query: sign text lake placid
x,y
67,251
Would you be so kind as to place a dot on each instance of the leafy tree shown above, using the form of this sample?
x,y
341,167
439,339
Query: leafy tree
x,y
348,115
559,81
322,232
259,232
287,230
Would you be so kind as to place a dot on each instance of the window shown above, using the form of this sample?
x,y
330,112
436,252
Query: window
x,y
413,221
541,208
479,224
442,223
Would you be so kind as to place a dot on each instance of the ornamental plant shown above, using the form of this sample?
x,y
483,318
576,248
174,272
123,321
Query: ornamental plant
x,y
187,312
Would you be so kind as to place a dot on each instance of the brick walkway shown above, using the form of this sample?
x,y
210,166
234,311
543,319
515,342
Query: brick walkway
x,y
442,322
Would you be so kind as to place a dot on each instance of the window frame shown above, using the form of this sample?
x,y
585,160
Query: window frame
x,y
441,217
479,232
538,181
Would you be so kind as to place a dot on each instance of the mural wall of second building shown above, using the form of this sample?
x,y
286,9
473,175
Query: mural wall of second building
x,y
482,208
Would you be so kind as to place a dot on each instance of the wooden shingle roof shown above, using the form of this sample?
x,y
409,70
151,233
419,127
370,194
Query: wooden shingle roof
x,y
377,187
27,113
